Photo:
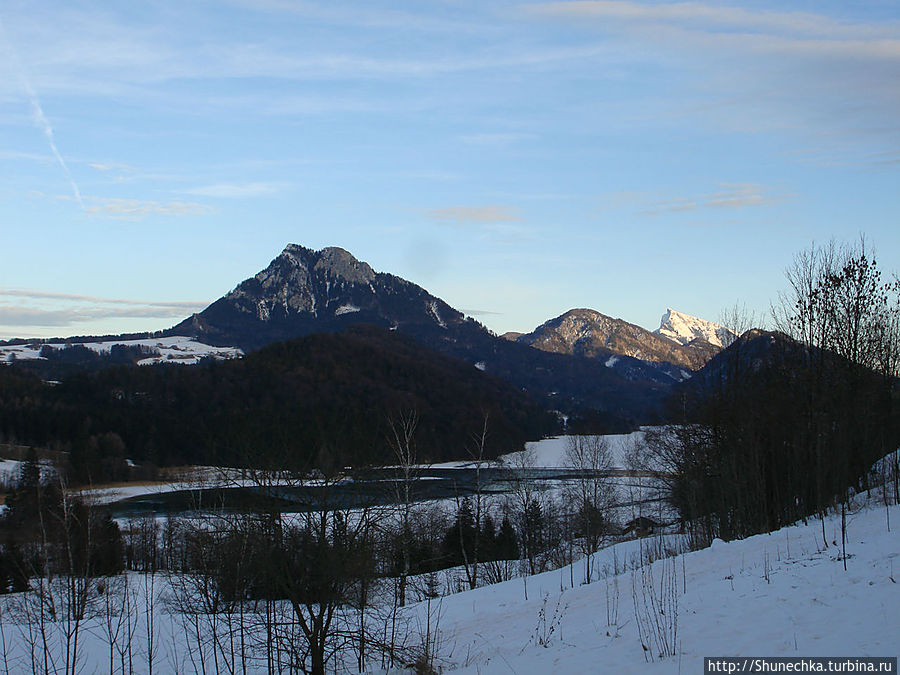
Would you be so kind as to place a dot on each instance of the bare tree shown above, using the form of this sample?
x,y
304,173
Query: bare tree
x,y
738,319
402,441
115,611
591,495
527,507
471,546
320,563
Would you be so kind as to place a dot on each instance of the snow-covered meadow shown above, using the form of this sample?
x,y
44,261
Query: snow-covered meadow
x,y
779,594
175,349
651,605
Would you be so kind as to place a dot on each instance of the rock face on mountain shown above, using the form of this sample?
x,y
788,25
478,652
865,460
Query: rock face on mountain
x,y
304,292
684,329
588,333
290,283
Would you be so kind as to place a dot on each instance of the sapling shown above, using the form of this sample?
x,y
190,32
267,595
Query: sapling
x,y
656,608
612,604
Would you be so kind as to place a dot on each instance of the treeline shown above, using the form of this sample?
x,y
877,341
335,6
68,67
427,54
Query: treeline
x,y
57,363
786,424
323,401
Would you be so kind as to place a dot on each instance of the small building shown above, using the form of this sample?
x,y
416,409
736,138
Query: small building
x,y
641,526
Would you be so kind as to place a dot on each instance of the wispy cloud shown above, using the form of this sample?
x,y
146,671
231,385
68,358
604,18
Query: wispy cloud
x,y
103,56
28,156
25,307
731,196
364,17
44,295
885,159
703,15
17,315
234,190
468,215
134,209
803,71
110,166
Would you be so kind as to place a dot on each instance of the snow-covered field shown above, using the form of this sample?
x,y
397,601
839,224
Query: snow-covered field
x,y
176,349
779,594
551,452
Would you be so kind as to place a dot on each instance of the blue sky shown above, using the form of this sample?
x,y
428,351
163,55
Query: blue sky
x,y
516,159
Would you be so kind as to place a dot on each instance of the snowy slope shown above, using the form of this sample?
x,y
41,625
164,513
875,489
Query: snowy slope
x,y
683,328
176,349
779,594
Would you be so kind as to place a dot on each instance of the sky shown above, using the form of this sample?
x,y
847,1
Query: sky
x,y
515,159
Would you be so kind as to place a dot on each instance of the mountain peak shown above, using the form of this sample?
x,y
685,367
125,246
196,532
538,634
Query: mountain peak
x,y
339,263
589,333
684,328
332,261
304,291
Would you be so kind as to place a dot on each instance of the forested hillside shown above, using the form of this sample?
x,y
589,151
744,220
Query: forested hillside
x,y
322,401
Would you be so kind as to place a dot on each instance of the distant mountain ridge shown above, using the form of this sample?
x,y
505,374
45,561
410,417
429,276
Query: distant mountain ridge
x,y
303,291
588,333
583,364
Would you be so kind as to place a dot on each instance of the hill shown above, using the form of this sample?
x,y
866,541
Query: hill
x,y
324,400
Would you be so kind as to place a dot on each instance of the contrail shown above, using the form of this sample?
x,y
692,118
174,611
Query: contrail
x,y
40,119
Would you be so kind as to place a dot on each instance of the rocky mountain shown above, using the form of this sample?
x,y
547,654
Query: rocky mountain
x,y
303,292
685,329
588,333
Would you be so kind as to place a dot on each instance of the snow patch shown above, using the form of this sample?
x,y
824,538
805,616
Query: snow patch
x,y
346,309
434,312
9,471
611,361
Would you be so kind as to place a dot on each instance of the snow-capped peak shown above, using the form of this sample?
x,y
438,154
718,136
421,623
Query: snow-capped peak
x,y
683,328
